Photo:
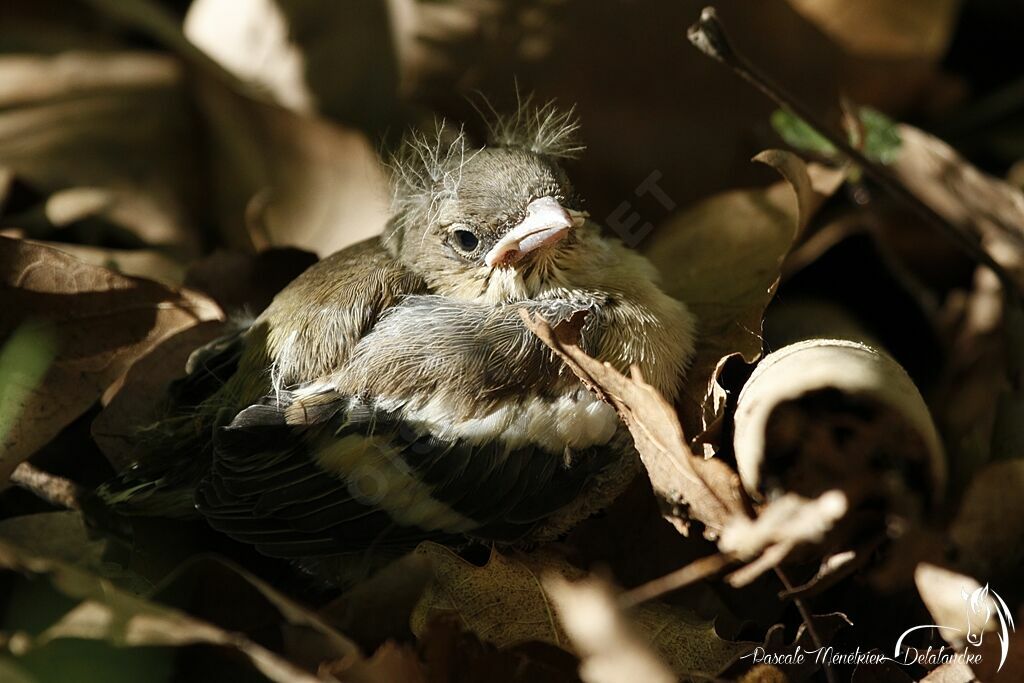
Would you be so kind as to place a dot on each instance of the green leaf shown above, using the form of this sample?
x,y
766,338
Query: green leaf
x,y
881,136
24,360
800,135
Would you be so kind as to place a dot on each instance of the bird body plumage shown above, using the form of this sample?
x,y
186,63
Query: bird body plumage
x,y
393,393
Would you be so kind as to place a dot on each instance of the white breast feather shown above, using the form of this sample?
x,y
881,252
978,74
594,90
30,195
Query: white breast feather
x,y
576,421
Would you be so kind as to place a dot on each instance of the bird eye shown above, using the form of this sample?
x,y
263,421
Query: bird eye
x,y
466,240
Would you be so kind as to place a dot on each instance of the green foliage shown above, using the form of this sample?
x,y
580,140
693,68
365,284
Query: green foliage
x,y
877,136
24,360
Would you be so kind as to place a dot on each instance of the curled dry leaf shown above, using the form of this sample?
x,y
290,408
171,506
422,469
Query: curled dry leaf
x,y
799,395
505,602
689,487
723,258
609,648
101,133
102,322
890,50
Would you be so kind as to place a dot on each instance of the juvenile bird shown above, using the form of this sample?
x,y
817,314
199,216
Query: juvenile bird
x,y
392,393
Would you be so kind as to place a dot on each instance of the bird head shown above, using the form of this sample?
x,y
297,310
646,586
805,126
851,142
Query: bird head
x,y
495,223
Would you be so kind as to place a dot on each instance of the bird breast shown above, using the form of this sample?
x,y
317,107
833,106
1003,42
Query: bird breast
x,y
573,421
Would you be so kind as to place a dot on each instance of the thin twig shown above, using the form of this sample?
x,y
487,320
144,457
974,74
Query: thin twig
x,y
56,491
708,35
805,614
684,576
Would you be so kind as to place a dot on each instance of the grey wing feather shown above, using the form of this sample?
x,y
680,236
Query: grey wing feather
x,y
267,488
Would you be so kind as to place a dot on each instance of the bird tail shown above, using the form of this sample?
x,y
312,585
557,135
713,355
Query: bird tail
x,y
135,494
163,483
176,451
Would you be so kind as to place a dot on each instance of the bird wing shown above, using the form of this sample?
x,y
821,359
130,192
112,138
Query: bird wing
x,y
312,326
360,479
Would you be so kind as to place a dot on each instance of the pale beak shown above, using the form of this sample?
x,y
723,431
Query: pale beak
x,y
546,222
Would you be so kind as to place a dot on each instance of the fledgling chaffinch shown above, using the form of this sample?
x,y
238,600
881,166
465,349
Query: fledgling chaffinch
x,y
392,393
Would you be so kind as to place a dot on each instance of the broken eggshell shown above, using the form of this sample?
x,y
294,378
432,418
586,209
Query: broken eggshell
x,y
823,410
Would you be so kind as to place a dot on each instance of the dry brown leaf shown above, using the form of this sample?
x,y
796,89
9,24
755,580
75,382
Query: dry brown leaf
x,y
890,50
723,258
102,133
919,29
102,321
140,397
105,613
782,525
610,649
280,178
505,603
148,263
250,608
52,26
451,652
942,592
988,531
379,607
988,208
951,672
979,395
390,663
994,667
501,602
284,179
245,282
335,58
690,487
252,40
65,536
975,621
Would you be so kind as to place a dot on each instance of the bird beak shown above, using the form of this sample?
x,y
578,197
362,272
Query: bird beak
x,y
546,222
